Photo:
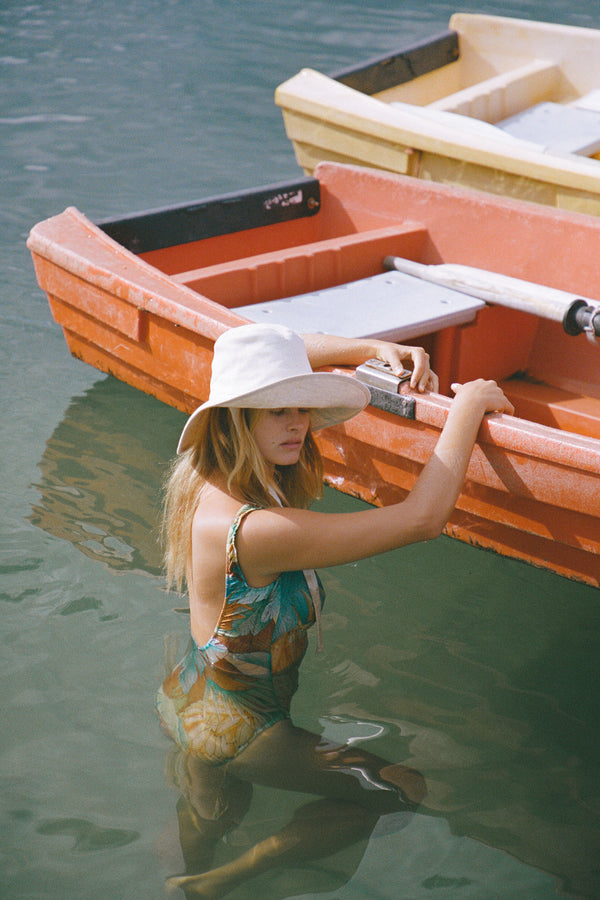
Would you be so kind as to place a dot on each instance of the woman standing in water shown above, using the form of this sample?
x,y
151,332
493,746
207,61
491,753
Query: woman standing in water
x,y
237,515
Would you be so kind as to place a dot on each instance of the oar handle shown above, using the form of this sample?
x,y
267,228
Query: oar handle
x,y
581,317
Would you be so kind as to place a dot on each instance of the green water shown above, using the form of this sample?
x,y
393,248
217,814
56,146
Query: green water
x,y
479,671
482,672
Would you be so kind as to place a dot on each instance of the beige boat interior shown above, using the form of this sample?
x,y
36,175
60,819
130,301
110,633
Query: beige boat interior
x,y
451,89
500,96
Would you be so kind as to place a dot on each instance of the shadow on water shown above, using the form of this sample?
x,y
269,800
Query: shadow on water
x,y
482,676
101,476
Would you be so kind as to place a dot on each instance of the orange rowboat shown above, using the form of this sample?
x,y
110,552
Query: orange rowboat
x,y
145,297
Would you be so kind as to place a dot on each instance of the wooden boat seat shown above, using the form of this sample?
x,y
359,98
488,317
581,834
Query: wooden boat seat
x,y
504,94
391,306
553,406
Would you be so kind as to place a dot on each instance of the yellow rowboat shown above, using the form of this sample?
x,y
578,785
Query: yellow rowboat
x,y
507,106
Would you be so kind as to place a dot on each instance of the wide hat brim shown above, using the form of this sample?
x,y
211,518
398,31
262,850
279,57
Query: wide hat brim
x,y
331,399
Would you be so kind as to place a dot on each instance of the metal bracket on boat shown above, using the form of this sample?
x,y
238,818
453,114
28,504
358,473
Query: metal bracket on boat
x,y
581,317
384,387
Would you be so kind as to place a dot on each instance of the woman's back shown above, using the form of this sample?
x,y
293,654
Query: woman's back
x,y
241,681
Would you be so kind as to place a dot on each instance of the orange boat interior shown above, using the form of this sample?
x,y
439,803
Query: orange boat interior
x,y
552,378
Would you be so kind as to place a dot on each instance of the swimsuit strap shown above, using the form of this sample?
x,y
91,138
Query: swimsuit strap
x,y
233,529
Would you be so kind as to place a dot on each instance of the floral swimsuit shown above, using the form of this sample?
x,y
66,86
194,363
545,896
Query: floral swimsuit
x,y
222,695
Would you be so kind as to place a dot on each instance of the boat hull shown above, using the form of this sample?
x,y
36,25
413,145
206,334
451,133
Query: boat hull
x,y
496,68
533,486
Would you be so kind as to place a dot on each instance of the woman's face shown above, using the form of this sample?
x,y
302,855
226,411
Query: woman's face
x,y
280,433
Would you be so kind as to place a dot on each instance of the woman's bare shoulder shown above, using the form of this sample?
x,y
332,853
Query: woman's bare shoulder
x,y
214,514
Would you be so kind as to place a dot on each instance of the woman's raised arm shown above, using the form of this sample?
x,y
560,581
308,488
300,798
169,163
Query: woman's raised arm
x,y
272,541
330,350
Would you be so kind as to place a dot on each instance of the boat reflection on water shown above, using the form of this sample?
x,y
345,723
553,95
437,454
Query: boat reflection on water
x,y
101,476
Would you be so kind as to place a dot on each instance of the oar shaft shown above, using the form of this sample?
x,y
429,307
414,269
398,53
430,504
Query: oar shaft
x,y
502,290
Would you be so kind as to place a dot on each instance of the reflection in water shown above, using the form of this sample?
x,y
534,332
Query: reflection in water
x,y
495,833
101,474
86,836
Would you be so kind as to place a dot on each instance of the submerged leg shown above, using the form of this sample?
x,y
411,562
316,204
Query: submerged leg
x,y
213,803
317,829
356,789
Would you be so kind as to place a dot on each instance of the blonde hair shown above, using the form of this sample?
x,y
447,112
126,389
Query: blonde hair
x,y
225,445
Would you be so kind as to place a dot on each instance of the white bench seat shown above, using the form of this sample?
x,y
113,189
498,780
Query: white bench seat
x,y
390,306
546,127
560,128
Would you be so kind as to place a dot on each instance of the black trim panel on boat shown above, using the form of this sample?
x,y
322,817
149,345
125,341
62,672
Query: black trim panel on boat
x,y
384,72
225,214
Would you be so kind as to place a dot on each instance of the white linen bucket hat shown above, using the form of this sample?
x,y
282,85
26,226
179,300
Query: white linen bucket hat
x,y
266,367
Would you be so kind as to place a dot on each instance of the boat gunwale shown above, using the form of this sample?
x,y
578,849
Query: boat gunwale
x,y
513,21
500,430
186,308
239,211
383,65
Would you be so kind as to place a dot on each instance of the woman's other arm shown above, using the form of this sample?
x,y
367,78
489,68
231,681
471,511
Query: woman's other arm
x,y
272,541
